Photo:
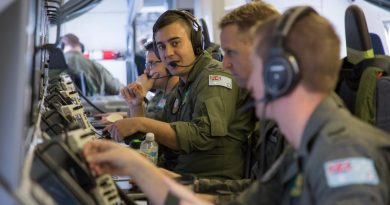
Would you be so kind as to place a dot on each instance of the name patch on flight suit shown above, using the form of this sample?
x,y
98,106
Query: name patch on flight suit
x,y
349,171
220,81
161,103
175,106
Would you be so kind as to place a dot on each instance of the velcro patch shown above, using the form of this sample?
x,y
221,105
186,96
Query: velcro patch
x,y
161,103
349,171
220,81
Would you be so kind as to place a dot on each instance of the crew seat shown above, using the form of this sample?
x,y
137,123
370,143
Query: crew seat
x,y
364,82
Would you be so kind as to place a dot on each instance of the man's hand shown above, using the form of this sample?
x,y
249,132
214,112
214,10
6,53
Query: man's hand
x,y
147,82
105,157
123,128
133,94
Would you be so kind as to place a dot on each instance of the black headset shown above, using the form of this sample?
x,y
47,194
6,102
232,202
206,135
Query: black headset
x,y
62,46
196,31
281,70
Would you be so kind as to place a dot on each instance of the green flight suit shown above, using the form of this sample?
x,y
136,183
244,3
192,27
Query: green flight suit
x,y
341,160
167,158
210,132
275,144
155,107
99,80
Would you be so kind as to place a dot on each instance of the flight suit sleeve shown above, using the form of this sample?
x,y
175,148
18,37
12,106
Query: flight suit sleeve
x,y
351,174
216,186
214,109
112,84
259,193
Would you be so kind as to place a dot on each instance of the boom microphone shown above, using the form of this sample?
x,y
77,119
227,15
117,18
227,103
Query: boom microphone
x,y
174,64
165,76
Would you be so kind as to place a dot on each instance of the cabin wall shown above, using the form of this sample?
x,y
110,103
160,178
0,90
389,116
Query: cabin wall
x,y
334,11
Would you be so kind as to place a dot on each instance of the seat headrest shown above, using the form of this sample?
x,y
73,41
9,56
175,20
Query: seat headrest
x,y
358,40
377,44
56,57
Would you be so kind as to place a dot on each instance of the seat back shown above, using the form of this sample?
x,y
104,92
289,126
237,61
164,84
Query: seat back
x,y
377,44
361,71
213,48
58,65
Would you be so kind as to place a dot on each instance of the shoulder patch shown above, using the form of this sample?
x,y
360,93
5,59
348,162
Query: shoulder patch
x,y
349,171
220,80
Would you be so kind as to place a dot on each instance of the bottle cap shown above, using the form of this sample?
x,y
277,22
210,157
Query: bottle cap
x,y
149,136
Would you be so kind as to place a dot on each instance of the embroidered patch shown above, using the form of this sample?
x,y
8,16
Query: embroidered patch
x,y
348,171
175,106
296,186
220,81
161,103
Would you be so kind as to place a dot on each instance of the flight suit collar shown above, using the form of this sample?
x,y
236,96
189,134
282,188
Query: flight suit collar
x,y
183,87
320,116
294,169
197,69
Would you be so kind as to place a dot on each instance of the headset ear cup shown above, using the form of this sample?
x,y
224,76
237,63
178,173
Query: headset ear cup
x,y
280,74
281,70
198,44
196,32
82,47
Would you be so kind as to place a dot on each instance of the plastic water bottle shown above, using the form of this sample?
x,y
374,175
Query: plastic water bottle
x,y
149,148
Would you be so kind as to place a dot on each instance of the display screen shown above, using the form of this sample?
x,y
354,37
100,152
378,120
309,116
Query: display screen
x,y
52,184
54,170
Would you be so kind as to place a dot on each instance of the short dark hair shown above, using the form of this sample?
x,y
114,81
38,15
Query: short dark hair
x,y
70,40
247,15
149,46
315,44
169,17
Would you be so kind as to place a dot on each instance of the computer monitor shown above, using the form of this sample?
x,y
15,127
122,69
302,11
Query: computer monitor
x,y
60,174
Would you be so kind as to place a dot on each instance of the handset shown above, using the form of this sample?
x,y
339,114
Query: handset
x,y
135,136
128,139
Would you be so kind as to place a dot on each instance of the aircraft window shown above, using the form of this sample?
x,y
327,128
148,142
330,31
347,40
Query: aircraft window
x,y
387,32
144,21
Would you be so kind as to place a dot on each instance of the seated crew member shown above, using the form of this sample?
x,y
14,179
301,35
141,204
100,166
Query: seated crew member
x,y
338,159
99,80
156,77
201,119
236,41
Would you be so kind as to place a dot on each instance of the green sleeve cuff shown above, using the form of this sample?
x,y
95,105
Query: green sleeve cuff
x,y
183,135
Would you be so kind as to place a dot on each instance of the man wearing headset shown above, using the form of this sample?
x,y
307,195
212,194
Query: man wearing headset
x,y
337,159
99,80
237,41
156,77
201,120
